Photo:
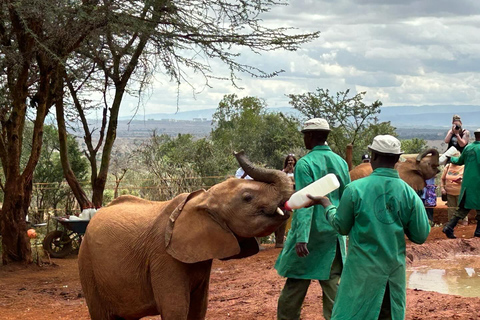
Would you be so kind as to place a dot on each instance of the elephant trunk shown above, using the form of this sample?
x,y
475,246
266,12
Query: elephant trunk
x,y
435,155
271,176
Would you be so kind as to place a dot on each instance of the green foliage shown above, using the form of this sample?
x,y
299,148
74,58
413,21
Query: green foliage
x,y
245,124
107,196
210,160
414,145
48,178
170,163
351,120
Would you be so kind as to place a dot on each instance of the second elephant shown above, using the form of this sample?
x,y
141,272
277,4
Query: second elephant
x,y
414,171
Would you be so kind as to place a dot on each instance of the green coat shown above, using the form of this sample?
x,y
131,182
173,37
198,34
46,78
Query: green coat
x,y
376,212
470,157
309,224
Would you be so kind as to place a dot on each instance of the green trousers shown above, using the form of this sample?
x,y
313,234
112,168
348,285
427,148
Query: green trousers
x,y
295,290
462,212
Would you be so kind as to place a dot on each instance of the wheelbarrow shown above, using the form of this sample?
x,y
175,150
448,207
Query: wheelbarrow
x,y
60,243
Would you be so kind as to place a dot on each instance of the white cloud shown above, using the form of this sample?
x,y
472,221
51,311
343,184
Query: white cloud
x,y
414,52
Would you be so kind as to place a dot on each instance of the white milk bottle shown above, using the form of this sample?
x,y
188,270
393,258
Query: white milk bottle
x,y
449,153
321,187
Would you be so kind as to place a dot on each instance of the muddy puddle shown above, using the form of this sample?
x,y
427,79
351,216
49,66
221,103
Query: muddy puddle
x,y
458,276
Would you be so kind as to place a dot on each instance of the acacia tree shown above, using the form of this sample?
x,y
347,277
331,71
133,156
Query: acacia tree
x,y
122,161
50,190
352,121
35,39
175,37
245,124
414,145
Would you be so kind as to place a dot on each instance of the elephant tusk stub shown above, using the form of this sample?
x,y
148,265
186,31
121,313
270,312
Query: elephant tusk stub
x,y
280,212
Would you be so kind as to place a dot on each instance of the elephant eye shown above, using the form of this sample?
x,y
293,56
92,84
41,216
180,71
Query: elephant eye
x,y
247,197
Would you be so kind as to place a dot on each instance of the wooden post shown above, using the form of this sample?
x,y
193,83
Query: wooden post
x,y
349,156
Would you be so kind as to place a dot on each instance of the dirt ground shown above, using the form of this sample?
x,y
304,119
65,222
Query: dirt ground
x,y
245,289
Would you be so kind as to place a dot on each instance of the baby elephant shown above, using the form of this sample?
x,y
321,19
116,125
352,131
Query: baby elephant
x,y
141,258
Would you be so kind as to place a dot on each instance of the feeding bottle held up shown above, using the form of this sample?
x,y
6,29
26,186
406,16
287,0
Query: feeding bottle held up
x,y
449,153
319,188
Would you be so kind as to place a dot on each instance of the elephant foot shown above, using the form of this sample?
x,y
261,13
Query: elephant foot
x,y
449,232
280,245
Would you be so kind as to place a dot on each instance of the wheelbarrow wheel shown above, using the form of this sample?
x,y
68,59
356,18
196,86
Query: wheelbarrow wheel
x,y
57,244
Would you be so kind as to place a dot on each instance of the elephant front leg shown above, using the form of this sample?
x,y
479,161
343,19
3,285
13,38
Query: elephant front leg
x,y
175,306
171,292
199,301
280,235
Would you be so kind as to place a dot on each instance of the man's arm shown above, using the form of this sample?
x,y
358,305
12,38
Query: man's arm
x,y
344,179
417,227
459,160
303,216
341,218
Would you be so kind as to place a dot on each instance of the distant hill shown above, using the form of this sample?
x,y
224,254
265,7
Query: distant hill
x,y
435,116
431,116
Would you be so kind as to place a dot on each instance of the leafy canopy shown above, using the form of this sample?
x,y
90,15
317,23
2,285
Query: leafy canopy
x,y
351,120
245,124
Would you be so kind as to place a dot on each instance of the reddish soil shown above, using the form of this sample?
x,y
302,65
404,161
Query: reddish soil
x,y
245,289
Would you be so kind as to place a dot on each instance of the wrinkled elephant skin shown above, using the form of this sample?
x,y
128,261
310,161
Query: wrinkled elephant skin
x,y
141,258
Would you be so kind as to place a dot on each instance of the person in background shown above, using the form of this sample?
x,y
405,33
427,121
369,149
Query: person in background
x,y
457,136
376,212
470,191
365,158
288,167
241,174
450,185
313,250
429,198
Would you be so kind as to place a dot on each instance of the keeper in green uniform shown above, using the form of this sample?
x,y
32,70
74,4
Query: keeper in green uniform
x,y
470,191
376,212
313,250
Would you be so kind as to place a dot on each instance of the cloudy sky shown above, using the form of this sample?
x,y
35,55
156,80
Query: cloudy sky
x,y
401,52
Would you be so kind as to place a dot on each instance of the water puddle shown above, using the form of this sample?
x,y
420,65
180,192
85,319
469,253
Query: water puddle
x,y
458,276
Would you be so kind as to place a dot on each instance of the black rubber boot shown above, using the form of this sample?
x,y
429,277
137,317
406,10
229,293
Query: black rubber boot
x,y
448,229
477,230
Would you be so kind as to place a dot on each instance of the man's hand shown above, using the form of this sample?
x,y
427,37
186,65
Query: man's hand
x,y
302,250
324,201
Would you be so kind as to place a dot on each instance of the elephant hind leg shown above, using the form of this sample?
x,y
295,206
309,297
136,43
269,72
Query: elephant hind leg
x,y
96,306
98,312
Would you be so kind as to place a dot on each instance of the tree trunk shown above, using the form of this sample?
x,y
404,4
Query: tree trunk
x,y
349,156
100,181
67,170
15,242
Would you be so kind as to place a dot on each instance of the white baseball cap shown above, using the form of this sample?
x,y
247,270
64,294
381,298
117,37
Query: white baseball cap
x,y
386,144
477,131
316,124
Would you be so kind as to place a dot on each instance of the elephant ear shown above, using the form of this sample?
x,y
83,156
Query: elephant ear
x,y
192,235
409,173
